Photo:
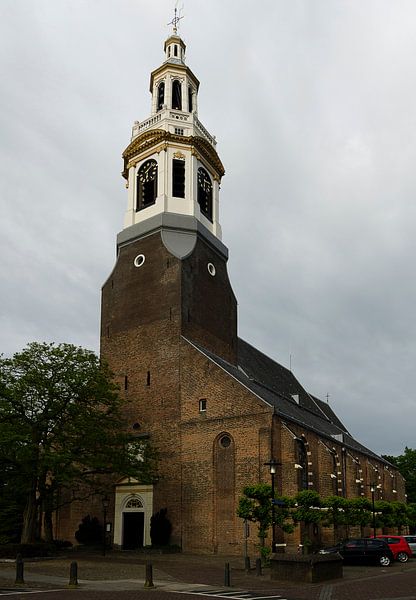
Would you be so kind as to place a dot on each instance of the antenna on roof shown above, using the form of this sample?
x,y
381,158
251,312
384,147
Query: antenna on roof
x,y
176,18
327,398
290,362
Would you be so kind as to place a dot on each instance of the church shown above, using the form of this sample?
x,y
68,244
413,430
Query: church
x,y
216,408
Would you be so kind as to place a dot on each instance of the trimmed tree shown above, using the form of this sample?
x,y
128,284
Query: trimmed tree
x,y
256,506
307,512
335,514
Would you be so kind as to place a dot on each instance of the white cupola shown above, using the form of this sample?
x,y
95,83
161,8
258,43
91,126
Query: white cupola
x,y
171,164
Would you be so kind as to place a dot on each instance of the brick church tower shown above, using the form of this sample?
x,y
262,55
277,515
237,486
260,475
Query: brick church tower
x,y
170,279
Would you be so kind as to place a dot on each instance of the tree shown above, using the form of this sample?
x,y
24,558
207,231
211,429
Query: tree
x,y
411,516
256,506
308,513
335,514
61,428
406,464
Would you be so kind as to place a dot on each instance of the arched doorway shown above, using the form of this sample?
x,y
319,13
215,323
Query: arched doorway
x,y
133,510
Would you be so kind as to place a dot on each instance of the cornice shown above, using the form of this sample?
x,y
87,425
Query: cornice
x,y
208,152
173,67
176,39
157,137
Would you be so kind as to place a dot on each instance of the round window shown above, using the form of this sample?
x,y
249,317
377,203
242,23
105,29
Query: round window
x,y
139,260
211,269
225,441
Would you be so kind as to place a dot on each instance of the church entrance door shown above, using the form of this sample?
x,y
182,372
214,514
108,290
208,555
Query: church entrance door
x,y
133,526
132,513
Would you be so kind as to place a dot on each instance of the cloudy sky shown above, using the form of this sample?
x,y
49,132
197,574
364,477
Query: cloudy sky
x,y
313,103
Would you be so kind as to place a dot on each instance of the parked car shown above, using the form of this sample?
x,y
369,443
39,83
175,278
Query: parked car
x,y
398,545
411,540
362,550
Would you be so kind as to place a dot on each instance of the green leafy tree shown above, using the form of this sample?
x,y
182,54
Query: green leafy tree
x,y
61,428
335,514
307,512
11,503
406,464
359,513
401,515
411,515
307,505
256,506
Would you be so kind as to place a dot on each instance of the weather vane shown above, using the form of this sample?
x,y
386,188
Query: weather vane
x,y
176,19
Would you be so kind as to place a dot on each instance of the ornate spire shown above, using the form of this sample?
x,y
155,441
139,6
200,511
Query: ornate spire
x,y
175,20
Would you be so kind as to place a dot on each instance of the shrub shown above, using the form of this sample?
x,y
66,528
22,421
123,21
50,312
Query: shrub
x,y
89,531
160,528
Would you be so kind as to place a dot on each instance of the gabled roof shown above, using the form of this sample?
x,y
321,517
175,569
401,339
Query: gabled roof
x,y
278,387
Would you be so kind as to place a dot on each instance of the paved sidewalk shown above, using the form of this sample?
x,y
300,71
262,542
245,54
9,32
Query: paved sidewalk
x,y
181,572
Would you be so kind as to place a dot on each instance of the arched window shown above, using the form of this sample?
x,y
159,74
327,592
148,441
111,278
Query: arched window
x,y
160,95
177,95
223,489
190,98
205,193
302,464
146,185
134,503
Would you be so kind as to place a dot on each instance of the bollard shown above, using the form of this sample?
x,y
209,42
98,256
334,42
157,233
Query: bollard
x,y
258,567
227,579
19,569
73,574
247,564
149,575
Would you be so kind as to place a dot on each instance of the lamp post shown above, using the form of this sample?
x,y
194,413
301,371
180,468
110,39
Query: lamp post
x,y
273,464
106,503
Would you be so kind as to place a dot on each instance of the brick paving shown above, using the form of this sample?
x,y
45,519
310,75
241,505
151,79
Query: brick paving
x,y
125,572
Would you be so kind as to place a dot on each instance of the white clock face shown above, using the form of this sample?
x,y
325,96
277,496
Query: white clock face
x,y
148,171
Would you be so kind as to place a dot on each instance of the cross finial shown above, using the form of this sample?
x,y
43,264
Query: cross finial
x,y
175,20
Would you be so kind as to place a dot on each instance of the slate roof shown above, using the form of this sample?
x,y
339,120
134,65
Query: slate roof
x,y
278,387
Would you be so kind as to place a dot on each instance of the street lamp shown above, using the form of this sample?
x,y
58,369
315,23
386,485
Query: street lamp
x,y
106,503
273,464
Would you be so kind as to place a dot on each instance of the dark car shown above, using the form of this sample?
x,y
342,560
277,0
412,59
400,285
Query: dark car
x,y
362,550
